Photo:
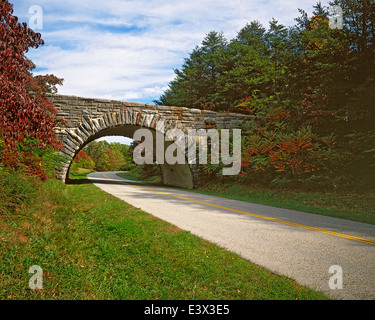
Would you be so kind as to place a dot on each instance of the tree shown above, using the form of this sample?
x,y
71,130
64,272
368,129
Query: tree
x,y
253,35
82,160
123,156
22,114
196,82
249,76
27,117
311,87
325,70
96,150
333,69
359,29
111,163
359,21
109,156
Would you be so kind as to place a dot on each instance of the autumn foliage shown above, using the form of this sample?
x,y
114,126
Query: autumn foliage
x,y
309,88
22,114
25,112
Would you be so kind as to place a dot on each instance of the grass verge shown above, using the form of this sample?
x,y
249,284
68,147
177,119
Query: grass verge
x,y
350,206
92,245
79,173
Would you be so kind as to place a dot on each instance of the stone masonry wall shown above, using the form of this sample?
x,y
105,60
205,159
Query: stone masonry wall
x,y
87,117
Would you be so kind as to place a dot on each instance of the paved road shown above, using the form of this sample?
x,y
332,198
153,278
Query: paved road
x,y
299,245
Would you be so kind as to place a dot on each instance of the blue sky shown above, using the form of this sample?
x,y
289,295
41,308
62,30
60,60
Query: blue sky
x,y
127,49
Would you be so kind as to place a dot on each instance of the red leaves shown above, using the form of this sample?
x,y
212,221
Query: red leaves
x,y
24,117
22,114
279,115
295,153
274,148
81,155
28,162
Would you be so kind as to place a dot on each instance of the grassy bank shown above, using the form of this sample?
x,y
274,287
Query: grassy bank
x,y
351,206
79,173
92,245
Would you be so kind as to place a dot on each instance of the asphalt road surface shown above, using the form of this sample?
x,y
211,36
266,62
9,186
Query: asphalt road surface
x,y
330,255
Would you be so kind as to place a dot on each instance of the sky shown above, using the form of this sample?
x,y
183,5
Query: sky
x,y
127,49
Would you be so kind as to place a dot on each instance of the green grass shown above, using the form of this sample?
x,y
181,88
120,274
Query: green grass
x,y
79,173
350,206
92,245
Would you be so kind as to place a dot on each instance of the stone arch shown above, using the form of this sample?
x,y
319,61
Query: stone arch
x,y
123,123
86,118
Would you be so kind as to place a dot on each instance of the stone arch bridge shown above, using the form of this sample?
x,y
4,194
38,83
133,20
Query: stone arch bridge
x,y
88,119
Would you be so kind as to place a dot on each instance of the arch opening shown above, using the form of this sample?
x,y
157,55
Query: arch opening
x,y
177,175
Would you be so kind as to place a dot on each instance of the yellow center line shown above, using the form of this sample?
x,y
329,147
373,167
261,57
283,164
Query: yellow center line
x,y
337,234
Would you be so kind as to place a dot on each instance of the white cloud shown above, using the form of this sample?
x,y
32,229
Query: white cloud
x,y
126,50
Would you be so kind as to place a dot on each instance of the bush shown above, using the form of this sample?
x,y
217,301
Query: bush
x,y
31,158
22,170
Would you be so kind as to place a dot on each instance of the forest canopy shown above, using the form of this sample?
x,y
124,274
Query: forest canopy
x,y
312,86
